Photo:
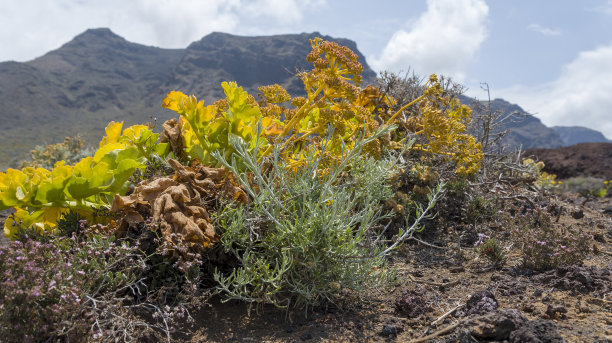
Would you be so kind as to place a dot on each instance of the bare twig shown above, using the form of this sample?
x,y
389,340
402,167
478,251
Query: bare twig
x,y
521,197
436,334
440,284
424,243
441,318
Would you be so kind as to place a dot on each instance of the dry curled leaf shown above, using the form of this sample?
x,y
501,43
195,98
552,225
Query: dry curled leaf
x,y
178,203
172,135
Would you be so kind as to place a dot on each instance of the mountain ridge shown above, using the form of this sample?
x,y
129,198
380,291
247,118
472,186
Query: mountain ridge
x,y
99,76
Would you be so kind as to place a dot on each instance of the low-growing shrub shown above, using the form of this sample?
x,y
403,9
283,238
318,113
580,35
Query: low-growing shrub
x,y
45,288
309,233
545,244
584,186
490,248
71,150
480,209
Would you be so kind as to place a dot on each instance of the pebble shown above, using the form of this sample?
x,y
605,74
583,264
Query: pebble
x,y
389,330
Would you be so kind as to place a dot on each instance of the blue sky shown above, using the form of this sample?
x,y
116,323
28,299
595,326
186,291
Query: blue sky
x,y
553,58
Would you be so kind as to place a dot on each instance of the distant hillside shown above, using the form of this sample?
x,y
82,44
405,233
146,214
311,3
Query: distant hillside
x,y
525,131
584,159
577,134
99,76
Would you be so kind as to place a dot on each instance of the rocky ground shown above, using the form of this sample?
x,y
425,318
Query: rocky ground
x,y
450,295
447,295
584,159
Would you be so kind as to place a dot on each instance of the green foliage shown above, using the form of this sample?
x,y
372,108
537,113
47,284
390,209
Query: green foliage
x,y
308,236
457,187
207,129
71,151
480,209
491,249
40,197
70,223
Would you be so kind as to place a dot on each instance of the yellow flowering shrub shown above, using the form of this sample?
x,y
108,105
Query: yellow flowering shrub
x,y
335,106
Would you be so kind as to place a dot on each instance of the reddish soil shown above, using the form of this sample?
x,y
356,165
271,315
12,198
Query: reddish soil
x,y
448,294
585,159
492,304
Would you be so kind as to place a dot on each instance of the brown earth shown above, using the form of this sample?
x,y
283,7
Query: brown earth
x,y
584,159
449,292
449,288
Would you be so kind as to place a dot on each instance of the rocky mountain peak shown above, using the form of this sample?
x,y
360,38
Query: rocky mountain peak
x,y
99,76
97,37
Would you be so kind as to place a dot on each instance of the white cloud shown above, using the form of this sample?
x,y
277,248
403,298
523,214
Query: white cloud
x,y
442,40
580,96
546,31
283,11
605,8
29,28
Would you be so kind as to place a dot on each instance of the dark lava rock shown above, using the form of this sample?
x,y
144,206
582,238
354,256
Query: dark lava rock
x,y
460,336
496,325
579,278
306,336
391,330
509,325
555,311
508,285
481,302
537,331
411,304
578,214
584,159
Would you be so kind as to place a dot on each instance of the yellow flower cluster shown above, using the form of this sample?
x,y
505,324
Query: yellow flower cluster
x,y
334,101
543,179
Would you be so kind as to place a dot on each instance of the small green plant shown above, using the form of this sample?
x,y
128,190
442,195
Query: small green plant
x,y
308,234
70,223
603,191
490,248
479,210
71,150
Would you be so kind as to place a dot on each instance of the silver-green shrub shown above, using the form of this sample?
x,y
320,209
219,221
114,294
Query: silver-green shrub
x,y
308,235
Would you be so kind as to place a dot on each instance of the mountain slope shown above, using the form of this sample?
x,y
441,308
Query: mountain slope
x,y
572,135
250,61
524,131
99,76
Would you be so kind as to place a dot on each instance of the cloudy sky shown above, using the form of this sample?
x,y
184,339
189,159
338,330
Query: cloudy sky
x,y
552,57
